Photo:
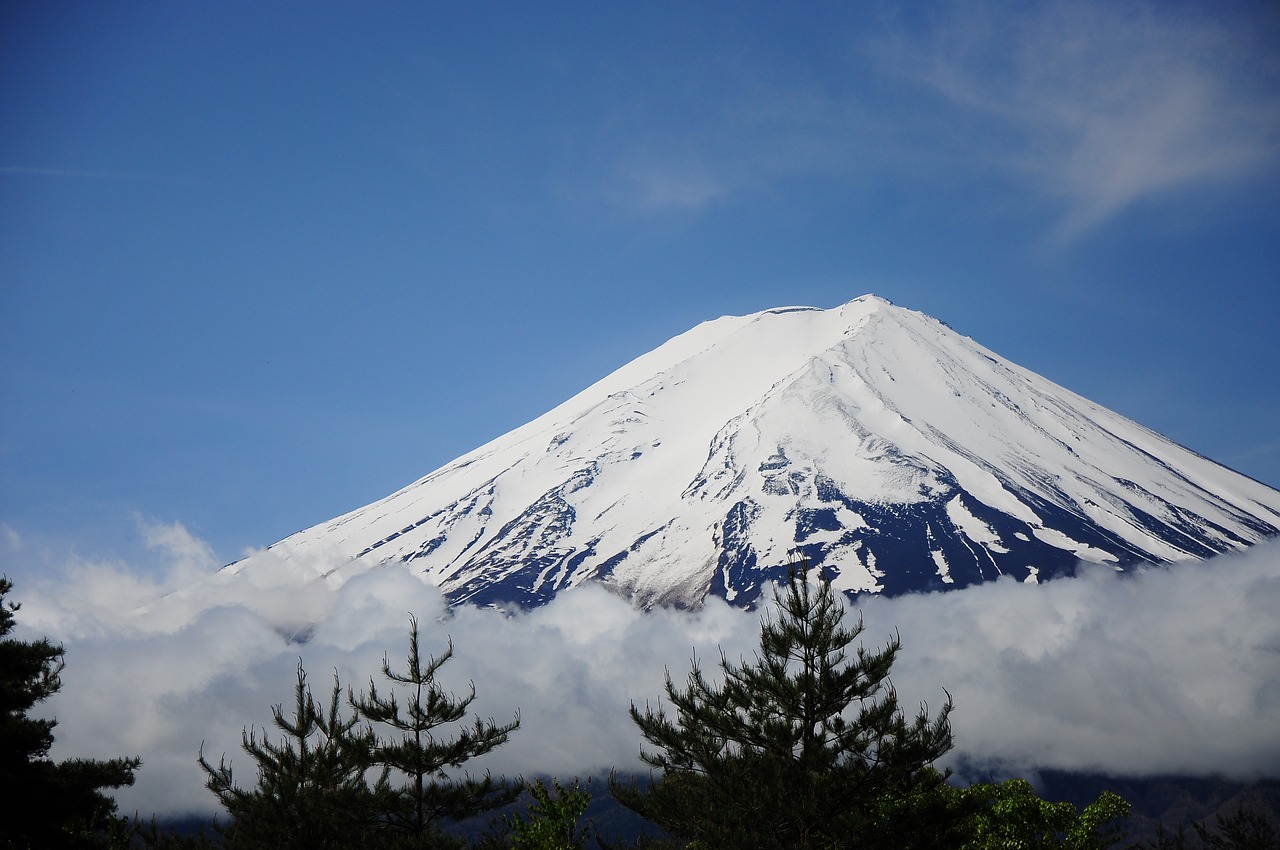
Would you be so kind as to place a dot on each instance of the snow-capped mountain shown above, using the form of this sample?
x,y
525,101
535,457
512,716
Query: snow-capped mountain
x,y
894,452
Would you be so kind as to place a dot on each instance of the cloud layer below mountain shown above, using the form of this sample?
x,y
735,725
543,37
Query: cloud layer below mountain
x,y
1171,670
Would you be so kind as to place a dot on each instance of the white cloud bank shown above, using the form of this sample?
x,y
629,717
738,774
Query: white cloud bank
x,y
1170,670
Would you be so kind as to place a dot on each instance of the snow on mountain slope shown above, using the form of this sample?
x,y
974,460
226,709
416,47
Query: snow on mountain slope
x,y
894,452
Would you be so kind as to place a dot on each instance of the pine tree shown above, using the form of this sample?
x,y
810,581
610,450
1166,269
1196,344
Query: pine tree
x,y
805,746
47,804
1244,830
312,789
421,756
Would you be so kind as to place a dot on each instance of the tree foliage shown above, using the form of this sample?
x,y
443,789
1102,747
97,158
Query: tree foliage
x,y
47,804
417,752
552,822
332,780
1244,829
804,746
1010,815
312,789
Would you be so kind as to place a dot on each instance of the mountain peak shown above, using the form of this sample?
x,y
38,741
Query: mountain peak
x,y
869,300
872,439
872,298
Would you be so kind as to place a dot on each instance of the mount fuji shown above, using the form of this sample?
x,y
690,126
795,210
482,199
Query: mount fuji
x,y
870,439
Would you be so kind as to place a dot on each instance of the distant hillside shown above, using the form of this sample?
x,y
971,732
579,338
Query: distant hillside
x,y
1172,800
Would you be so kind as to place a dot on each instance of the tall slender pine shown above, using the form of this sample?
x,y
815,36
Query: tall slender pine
x,y
421,755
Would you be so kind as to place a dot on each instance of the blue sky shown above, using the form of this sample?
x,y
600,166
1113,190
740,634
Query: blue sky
x,y
261,264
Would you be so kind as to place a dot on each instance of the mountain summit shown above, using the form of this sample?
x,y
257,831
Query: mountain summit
x,y
882,445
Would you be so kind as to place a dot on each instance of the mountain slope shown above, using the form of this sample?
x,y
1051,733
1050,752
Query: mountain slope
x,y
891,450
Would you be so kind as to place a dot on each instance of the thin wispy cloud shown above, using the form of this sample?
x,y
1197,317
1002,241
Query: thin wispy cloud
x,y
71,174
1097,105
68,172
757,137
1090,108
658,187
1171,670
